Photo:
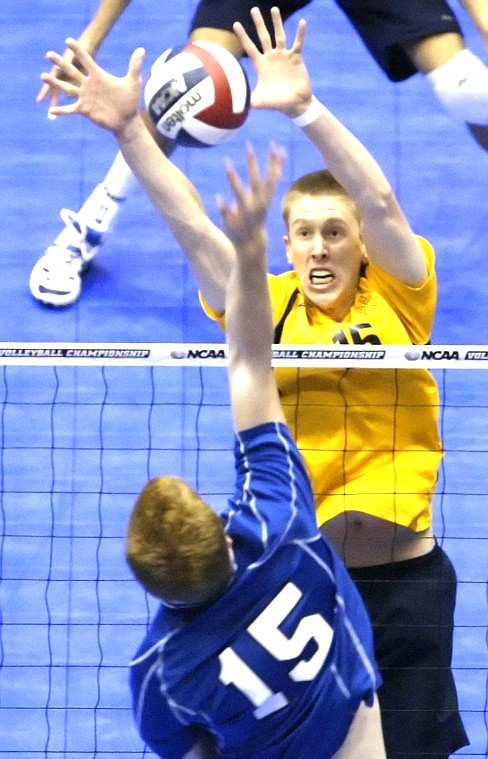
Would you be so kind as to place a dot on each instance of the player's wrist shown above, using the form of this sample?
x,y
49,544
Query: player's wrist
x,y
309,114
253,244
130,128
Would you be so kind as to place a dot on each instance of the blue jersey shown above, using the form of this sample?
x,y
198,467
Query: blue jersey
x,y
277,666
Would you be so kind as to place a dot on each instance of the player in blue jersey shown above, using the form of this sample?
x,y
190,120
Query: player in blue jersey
x,y
262,647
262,641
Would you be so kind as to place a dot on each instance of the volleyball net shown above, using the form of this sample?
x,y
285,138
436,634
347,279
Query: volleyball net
x,y
83,427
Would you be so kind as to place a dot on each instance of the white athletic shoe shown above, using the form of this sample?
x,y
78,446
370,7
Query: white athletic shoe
x,y
55,279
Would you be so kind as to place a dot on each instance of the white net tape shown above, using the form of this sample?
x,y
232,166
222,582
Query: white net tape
x,y
215,354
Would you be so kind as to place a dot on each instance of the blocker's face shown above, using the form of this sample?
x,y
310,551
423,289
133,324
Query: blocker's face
x,y
325,247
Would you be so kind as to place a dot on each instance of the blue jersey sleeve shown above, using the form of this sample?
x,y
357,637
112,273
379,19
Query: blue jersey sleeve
x,y
157,725
273,502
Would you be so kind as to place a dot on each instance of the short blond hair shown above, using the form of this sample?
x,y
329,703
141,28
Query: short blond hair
x,y
176,544
320,182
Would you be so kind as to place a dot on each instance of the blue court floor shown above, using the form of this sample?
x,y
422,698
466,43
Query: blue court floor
x,y
78,442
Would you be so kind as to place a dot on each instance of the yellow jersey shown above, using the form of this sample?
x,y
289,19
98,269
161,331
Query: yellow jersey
x,y
369,437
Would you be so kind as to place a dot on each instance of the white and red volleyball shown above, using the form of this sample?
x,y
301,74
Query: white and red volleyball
x,y
197,95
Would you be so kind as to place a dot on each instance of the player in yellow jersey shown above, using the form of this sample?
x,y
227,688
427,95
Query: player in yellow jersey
x,y
379,460
370,439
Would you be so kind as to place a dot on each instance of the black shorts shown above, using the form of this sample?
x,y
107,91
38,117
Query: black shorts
x,y
217,14
387,26
411,606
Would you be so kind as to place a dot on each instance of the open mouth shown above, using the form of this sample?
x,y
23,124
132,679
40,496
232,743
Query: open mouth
x,y
320,277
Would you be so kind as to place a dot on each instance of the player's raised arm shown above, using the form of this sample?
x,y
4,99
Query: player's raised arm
x,y
284,85
113,103
249,325
91,38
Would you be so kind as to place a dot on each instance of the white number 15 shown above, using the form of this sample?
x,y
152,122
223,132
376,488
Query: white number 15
x,y
265,630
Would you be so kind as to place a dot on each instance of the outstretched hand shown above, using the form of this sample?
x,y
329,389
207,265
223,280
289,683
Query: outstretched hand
x,y
109,101
283,80
48,90
243,219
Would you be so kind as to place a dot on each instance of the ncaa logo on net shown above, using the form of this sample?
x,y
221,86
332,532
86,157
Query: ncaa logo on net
x,y
432,355
192,353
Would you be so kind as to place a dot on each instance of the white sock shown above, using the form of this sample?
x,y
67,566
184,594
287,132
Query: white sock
x,y
102,206
119,180
461,85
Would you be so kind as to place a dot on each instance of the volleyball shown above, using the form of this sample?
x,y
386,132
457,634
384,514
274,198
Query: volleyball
x,y
197,95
